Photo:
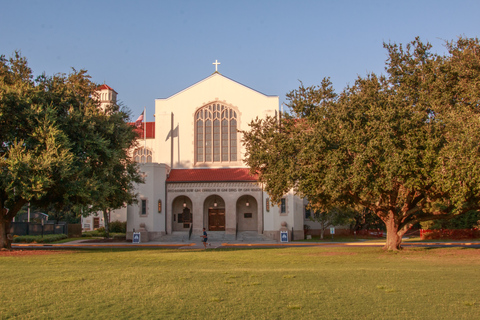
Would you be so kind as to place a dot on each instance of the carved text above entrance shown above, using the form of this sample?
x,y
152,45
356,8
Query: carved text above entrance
x,y
214,187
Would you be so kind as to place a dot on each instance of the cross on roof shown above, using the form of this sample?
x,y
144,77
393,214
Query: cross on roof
x,y
216,63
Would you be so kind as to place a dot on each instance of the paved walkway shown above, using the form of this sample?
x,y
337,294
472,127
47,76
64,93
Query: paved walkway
x,y
214,245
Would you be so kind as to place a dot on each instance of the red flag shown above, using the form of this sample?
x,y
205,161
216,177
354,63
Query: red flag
x,y
138,123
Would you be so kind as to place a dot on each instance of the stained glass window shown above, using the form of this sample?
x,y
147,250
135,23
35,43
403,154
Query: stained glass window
x,y
216,134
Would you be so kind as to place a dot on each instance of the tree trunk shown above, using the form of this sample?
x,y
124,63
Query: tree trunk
x,y
394,235
394,240
107,223
322,229
5,236
6,217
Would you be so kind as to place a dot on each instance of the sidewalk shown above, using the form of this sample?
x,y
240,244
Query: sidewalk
x,y
237,244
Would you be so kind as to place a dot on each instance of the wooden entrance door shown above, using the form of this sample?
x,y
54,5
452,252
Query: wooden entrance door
x,y
216,219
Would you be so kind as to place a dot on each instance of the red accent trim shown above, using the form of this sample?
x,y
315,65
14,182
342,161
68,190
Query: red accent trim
x,y
210,175
105,87
150,129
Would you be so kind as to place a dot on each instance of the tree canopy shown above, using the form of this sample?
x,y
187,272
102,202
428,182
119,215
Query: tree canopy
x,y
404,145
57,146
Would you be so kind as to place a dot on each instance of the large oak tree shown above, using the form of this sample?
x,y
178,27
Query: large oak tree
x,y
57,146
115,172
404,145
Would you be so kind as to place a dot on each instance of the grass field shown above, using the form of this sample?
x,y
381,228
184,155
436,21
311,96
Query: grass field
x,y
286,283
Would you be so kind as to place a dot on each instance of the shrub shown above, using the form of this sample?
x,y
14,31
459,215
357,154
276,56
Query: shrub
x,y
48,238
427,225
467,220
94,233
118,226
119,236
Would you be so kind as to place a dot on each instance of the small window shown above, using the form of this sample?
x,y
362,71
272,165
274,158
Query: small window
x,y
144,207
143,155
283,206
247,215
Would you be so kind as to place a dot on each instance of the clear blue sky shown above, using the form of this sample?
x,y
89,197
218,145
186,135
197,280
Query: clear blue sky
x,y
153,49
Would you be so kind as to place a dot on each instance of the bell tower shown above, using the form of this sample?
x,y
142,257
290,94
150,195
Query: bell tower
x,y
107,96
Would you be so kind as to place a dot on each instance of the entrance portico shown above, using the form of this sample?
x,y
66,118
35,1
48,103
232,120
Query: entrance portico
x,y
224,200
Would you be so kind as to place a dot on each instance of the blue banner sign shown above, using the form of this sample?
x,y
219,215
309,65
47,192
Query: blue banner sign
x,y
136,237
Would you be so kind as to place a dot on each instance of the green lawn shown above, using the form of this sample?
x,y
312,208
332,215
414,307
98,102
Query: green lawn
x,y
285,283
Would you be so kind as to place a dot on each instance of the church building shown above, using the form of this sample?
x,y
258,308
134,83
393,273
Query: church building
x,y
191,160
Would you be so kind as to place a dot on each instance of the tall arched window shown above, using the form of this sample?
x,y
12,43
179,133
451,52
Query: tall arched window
x,y
216,134
142,155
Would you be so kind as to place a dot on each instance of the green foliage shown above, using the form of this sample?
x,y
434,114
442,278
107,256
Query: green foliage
x,y
427,224
66,213
47,238
100,232
118,226
404,145
364,219
93,233
58,147
119,236
467,220
333,217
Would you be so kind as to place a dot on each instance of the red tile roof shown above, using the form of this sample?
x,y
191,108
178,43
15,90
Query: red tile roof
x,y
104,86
150,130
210,175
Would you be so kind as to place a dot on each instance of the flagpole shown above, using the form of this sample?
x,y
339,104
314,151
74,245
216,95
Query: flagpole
x,y
171,143
145,128
178,142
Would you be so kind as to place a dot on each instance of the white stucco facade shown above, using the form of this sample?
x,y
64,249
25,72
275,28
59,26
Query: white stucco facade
x,y
191,159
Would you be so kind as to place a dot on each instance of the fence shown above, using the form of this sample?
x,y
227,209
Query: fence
x,y
37,229
374,233
455,234
74,230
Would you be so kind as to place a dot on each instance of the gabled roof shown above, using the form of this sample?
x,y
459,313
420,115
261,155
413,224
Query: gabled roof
x,y
149,130
215,74
211,175
105,87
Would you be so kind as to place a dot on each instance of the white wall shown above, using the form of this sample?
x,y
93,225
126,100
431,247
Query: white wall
x,y
152,191
183,105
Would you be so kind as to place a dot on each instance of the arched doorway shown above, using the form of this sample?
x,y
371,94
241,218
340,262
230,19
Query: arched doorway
x,y
247,213
182,212
214,208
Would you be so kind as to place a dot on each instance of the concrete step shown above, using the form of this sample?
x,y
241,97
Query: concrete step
x,y
216,236
176,236
252,237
